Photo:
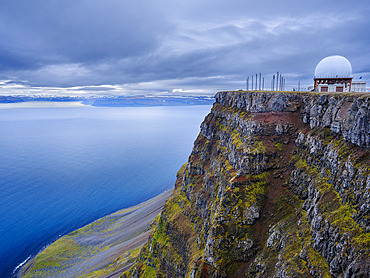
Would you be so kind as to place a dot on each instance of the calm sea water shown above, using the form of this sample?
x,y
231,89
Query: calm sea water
x,y
63,167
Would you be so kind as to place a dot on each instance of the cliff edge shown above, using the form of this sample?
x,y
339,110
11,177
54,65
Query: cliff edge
x,y
277,185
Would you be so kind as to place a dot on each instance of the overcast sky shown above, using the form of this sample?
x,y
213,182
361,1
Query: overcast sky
x,y
174,46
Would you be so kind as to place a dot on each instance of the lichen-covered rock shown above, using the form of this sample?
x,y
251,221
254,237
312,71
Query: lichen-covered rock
x,y
277,185
346,114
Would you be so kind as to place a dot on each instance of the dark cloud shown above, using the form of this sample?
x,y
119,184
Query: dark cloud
x,y
79,31
209,44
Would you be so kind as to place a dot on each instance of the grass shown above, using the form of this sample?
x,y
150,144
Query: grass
x,y
53,257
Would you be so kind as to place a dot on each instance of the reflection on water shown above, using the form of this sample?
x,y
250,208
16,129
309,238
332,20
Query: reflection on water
x,y
41,104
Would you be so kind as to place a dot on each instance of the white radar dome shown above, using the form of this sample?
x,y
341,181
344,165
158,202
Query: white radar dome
x,y
333,67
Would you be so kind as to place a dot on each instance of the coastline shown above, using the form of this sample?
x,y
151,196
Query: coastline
x,y
106,247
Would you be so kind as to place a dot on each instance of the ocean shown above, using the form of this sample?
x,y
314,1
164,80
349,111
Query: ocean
x,y
63,165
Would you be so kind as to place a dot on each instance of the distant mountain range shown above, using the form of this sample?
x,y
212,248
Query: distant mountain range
x,y
121,101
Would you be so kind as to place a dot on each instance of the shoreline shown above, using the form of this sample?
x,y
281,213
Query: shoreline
x,y
106,247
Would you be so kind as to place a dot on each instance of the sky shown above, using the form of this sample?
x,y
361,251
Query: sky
x,y
195,47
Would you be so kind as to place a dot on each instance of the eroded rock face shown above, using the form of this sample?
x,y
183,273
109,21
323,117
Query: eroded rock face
x,y
348,115
274,187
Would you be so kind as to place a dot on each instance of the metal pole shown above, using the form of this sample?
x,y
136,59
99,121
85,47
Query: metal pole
x,y
273,82
280,79
252,82
263,83
277,81
281,83
256,82
260,83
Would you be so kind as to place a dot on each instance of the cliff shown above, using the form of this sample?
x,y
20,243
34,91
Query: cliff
x,y
277,185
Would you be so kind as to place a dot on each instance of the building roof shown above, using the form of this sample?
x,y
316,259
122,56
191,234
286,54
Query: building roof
x,y
333,67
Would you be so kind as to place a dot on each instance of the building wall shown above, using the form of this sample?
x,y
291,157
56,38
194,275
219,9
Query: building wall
x,y
358,86
332,88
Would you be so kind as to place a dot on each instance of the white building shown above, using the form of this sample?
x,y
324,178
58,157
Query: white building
x,y
334,74
358,86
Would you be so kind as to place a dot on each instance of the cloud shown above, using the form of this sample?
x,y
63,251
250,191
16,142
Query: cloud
x,y
88,43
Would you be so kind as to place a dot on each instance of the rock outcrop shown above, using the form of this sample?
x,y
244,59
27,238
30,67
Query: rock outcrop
x,y
277,185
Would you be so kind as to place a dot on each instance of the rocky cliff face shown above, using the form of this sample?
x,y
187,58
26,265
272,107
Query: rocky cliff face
x,y
277,185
